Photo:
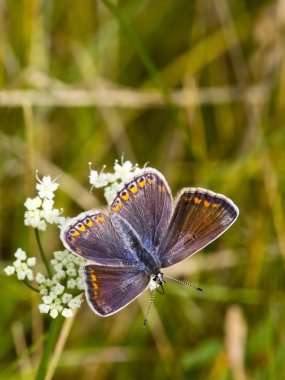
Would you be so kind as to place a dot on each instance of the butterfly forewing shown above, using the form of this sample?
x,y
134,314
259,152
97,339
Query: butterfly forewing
x,y
200,216
146,203
109,289
93,236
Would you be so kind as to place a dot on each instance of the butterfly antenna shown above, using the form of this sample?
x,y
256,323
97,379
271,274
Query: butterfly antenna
x,y
148,309
184,283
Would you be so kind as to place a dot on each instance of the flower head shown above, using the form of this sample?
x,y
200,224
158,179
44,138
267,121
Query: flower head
x,y
111,182
46,187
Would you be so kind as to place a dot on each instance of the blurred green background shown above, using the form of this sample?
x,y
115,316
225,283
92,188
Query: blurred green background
x,y
197,90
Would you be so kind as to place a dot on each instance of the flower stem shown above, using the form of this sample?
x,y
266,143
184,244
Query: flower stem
x,y
49,345
30,286
43,256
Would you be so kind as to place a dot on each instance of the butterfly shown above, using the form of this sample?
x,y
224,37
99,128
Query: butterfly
x,y
143,232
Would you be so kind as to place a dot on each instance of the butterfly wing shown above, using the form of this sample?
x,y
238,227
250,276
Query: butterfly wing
x,y
200,216
93,236
109,289
146,204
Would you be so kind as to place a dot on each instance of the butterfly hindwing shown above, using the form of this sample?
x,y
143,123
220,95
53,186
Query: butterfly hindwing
x,y
109,289
146,204
200,216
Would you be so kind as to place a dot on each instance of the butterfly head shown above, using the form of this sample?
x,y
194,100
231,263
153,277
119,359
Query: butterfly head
x,y
156,281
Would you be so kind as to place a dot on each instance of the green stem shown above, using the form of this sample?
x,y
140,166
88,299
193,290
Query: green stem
x,y
43,256
30,286
49,345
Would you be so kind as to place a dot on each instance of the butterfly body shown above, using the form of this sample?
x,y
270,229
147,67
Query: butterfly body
x,y
142,233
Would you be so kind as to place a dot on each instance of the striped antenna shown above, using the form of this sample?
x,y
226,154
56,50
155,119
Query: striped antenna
x,y
184,283
148,309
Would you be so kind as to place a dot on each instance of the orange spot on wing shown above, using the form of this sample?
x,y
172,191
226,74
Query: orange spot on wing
x,y
125,197
197,200
161,188
82,228
134,189
89,223
100,219
75,233
206,203
141,183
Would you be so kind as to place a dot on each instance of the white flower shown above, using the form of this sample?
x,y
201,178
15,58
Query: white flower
x,y
47,204
32,204
53,313
60,274
66,297
74,303
43,308
59,255
67,313
101,179
31,262
46,187
124,170
51,216
20,254
80,283
71,272
21,275
9,270
33,219
17,264
57,289
29,274
40,278
71,284
48,299
111,191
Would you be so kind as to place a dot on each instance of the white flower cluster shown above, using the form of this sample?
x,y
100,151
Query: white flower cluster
x,y
40,209
59,294
21,266
112,181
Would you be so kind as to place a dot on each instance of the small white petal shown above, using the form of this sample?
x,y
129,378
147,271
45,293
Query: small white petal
x,y
40,278
93,177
